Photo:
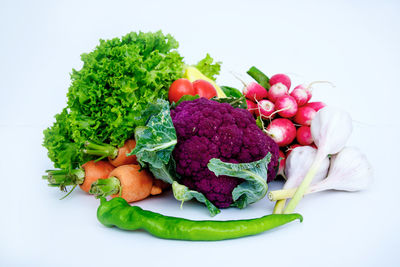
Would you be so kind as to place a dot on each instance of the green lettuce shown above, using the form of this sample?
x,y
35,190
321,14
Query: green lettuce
x,y
208,68
117,81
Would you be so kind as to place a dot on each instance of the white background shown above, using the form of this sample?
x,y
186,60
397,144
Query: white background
x,y
354,44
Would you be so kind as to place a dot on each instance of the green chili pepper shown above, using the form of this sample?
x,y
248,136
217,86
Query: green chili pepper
x,y
117,212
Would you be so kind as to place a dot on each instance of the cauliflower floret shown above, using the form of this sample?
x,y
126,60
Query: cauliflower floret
x,y
207,129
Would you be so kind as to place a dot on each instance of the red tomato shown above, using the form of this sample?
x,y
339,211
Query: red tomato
x,y
204,89
180,88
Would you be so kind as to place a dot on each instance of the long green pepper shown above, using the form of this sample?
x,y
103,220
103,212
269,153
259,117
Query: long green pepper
x,y
117,212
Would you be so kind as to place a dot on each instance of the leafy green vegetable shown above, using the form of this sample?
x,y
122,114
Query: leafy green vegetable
x,y
156,141
108,94
184,98
62,149
254,173
183,193
230,91
207,67
233,101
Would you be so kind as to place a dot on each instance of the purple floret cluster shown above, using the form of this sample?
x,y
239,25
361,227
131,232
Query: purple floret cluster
x,y
207,129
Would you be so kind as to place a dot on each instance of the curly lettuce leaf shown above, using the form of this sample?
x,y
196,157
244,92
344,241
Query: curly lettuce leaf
x,y
183,193
117,81
208,68
62,150
254,173
156,141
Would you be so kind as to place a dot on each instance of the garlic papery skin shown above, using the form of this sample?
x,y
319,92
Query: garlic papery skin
x,y
298,163
296,167
330,129
350,170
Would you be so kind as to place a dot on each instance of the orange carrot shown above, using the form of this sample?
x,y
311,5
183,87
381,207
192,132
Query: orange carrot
x,y
94,171
135,185
83,176
122,158
116,156
129,182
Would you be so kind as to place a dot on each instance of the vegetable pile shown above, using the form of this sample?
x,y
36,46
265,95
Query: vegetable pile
x,y
139,120
208,129
106,97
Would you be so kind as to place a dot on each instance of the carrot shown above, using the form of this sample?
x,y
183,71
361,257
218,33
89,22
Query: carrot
x,y
135,185
158,187
94,171
83,176
122,158
129,182
116,156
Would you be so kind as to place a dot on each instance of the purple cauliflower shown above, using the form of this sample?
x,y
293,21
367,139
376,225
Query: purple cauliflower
x,y
207,129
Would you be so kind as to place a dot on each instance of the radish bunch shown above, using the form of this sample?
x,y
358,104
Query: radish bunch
x,y
286,114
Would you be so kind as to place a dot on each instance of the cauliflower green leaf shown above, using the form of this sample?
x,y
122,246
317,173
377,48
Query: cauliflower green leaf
x,y
254,173
156,141
183,193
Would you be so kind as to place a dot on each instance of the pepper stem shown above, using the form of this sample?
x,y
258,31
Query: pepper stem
x,y
100,149
106,187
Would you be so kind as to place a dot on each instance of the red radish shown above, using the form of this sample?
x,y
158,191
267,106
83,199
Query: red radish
x,y
265,108
282,161
315,105
300,95
286,106
280,78
304,115
276,91
303,136
306,89
251,106
254,91
282,131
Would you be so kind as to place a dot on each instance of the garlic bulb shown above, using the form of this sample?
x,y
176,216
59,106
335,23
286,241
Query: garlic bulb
x,y
298,163
330,129
349,171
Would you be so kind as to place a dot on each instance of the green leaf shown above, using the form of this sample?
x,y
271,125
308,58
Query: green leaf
x,y
236,102
230,91
183,193
184,98
207,67
117,81
254,173
156,141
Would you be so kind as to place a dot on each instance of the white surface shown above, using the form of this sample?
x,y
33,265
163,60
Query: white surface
x,y
354,44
